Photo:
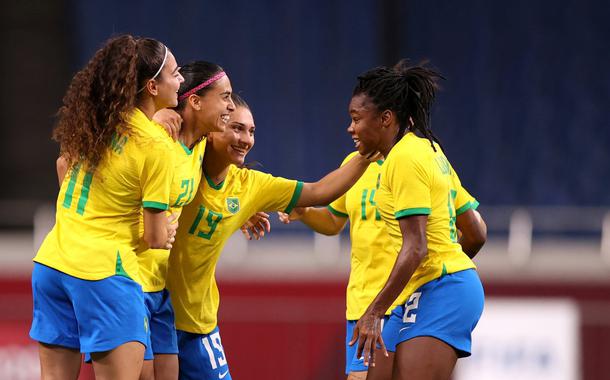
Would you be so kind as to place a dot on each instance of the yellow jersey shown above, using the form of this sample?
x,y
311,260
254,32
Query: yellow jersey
x,y
205,226
186,177
416,180
96,230
372,258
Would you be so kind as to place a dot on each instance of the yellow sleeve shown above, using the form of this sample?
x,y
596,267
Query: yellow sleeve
x,y
156,172
463,200
409,180
276,193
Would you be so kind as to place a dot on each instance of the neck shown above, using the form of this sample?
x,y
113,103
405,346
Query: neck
x,y
187,135
214,166
147,106
190,133
389,140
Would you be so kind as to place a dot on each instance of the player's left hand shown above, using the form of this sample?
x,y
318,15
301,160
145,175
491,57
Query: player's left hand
x,y
256,226
368,334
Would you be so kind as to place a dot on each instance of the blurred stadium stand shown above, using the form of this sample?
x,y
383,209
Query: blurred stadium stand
x,y
524,116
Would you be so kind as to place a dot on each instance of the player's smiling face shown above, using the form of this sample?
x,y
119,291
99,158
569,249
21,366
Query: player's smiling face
x,y
366,126
235,142
217,105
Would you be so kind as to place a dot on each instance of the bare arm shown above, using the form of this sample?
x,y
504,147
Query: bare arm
x,y
333,184
159,229
474,232
319,219
414,249
62,168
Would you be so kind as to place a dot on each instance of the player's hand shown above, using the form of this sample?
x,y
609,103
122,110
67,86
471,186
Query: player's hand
x,y
256,226
368,334
170,120
295,214
172,226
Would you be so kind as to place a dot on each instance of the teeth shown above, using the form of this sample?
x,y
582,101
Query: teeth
x,y
225,118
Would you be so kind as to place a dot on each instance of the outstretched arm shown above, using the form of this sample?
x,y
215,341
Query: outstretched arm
x,y
319,219
335,183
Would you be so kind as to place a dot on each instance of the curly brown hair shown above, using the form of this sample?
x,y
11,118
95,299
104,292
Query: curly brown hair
x,y
101,95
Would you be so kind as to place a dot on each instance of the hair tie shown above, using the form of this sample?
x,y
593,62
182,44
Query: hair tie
x,y
202,85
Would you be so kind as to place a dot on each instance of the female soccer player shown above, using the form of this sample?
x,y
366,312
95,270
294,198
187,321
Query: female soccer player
x,y
204,106
423,203
85,278
227,196
371,256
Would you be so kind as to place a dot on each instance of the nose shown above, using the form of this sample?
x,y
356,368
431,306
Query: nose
x,y
231,105
350,128
180,78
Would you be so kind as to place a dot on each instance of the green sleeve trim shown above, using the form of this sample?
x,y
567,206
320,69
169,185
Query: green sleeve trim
x,y
295,197
412,211
157,205
336,213
468,206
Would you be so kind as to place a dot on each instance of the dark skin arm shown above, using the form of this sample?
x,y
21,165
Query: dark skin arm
x,y
414,249
473,232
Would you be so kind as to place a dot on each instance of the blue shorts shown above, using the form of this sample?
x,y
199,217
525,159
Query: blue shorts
x,y
447,308
90,316
355,364
160,314
202,356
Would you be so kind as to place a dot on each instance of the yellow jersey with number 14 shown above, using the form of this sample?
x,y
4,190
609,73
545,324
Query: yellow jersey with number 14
x,y
187,175
372,258
416,180
205,226
96,230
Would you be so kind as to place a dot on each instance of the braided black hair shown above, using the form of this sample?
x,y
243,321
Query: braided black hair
x,y
409,91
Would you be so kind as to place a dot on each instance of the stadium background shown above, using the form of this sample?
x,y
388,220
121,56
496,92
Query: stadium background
x,y
524,116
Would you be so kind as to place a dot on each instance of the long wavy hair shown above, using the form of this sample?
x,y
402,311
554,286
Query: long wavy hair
x,y
101,95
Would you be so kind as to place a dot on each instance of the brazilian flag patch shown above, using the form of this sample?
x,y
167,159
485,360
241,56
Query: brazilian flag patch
x,y
233,205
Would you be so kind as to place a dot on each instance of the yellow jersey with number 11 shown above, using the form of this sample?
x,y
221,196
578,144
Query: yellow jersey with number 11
x,y
97,224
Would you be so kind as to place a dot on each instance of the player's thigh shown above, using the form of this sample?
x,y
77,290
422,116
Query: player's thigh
x,y
58,362
357,375
148,370
383,366
166,367
122,363
424,358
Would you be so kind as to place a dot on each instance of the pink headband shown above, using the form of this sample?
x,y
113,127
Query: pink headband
x,y
204,84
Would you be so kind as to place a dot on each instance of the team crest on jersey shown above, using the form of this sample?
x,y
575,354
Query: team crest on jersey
x,y
233,205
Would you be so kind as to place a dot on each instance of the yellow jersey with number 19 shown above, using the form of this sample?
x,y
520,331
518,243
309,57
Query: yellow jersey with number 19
x,y
205,226
372,258
96,230
416,180
187,175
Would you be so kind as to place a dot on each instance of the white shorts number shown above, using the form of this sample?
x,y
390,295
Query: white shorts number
x,y
410,306
215,339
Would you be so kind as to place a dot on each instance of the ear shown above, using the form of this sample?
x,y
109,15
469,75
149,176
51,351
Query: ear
x,y
195,102
151,86
387,118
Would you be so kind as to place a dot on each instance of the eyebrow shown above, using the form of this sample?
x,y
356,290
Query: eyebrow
x,y
176,69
